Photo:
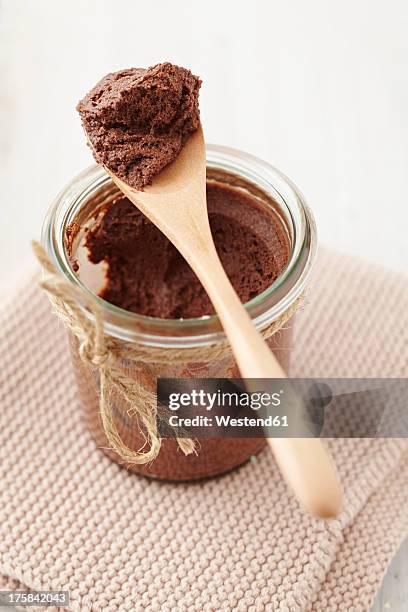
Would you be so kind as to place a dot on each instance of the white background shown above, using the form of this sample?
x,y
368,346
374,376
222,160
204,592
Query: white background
x,y
317,88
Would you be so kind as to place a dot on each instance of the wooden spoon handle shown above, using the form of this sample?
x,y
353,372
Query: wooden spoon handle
x,y
304,462
308,471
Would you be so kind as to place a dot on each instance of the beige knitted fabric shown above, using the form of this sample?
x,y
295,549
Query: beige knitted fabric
x,y
71,519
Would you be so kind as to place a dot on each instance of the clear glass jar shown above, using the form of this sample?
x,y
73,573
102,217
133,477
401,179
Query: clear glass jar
x,y
76,204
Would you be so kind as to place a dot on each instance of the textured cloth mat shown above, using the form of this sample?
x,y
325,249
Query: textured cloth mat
x,y
72,519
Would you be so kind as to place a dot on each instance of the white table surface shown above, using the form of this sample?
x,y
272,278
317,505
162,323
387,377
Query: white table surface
x,y
317,88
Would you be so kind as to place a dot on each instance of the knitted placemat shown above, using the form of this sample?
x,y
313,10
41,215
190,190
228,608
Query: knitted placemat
x,y
72,519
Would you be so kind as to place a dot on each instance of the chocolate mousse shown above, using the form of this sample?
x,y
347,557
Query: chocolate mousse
x,y
138,120
147,275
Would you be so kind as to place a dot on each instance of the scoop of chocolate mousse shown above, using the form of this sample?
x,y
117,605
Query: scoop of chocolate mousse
x,y
138,120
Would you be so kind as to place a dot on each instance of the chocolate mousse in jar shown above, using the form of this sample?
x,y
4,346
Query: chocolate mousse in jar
x,y
156,318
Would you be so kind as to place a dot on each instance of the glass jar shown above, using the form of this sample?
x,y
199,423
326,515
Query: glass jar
x,y
74,206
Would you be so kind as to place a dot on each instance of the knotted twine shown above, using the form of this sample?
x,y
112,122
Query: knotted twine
x,y
106,354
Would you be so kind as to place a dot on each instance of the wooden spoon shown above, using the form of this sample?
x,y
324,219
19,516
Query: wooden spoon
x,y
176,204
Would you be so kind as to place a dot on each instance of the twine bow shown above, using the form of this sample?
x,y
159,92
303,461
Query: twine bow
x,y
105,353
94,349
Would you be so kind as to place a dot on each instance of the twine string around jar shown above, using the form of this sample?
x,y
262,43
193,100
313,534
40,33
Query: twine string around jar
x,y
105,353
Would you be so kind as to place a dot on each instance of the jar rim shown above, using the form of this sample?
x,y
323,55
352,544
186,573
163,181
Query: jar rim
x,y
178,333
